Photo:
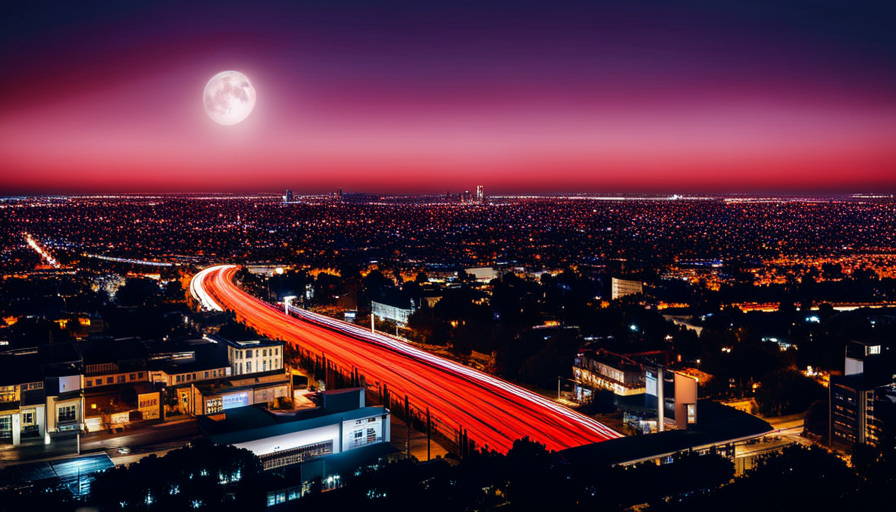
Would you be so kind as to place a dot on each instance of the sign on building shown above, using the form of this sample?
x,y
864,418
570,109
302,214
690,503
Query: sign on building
x,y
148,404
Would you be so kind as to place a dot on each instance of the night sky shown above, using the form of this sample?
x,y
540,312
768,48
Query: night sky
x,y
429,96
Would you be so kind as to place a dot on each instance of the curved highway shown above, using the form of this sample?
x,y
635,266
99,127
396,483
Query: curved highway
x,y
493,411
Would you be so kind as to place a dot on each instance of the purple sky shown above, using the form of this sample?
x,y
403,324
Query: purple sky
x,y
430,96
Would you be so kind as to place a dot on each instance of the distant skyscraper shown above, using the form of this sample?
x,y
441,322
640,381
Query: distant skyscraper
x,y
339,194
480,194
287,198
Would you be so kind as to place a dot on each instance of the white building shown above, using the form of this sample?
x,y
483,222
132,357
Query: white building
x,y
256,356
294,442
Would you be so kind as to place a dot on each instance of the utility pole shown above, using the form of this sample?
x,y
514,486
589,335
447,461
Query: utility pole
x,y
428,435
372,318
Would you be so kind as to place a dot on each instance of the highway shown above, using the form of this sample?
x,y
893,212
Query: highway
x,y
494,412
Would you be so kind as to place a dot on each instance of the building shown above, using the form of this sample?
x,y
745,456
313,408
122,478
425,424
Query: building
x,y
287,198
106,384
623,287
22,399
40,392
480,194
863,400
343,423
254,356
602,369
483,274
673,394
114,375
213,374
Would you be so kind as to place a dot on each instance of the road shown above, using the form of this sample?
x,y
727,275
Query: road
x,y
157,439
494,412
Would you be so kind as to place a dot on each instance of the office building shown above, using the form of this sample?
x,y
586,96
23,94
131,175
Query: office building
x,y
863,400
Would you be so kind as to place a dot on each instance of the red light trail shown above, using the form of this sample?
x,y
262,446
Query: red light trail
x,y
493,412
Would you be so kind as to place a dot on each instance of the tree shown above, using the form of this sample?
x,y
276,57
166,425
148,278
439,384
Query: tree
x,y
816,420
787,392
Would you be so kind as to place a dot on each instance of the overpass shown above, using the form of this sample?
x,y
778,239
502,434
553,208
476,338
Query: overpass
x,y
491,411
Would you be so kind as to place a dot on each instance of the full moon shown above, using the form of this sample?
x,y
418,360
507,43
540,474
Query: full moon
x,y
229,97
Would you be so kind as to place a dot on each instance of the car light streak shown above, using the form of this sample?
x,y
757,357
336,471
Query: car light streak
x,y
493,411
41,251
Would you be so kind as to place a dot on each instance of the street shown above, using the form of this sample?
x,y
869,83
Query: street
x,y
159,439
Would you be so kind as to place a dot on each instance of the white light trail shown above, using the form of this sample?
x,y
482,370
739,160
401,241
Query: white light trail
x,y
199,293
40,250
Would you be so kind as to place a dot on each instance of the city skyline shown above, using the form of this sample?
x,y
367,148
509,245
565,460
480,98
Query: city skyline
x,y
411,99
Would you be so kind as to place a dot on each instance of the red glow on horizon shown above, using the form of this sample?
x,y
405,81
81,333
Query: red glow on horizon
x,y
528,108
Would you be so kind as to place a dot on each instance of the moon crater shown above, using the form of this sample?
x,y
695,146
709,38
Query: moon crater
x,y
229,97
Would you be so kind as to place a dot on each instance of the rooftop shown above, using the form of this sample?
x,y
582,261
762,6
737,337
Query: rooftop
x,y
718,424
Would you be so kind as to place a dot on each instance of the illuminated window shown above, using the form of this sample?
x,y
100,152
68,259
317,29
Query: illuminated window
x,y
213,405
874,349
